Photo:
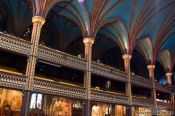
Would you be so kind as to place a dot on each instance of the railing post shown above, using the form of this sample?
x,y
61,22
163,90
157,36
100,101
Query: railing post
x,y
127,58
151,76
88,42
30,70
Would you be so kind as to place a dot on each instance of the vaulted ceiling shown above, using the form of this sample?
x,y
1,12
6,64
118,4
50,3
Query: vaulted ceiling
x,y
144,28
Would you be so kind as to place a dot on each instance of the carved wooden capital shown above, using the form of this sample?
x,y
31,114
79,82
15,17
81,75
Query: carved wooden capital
x,y
127,56
169,74
38,19
88,41
151,66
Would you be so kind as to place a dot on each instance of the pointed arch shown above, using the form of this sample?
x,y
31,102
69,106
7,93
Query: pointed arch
x,y
116,30
145,48
164,57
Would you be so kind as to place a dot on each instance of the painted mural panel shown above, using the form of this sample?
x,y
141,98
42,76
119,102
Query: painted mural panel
x,y
10,102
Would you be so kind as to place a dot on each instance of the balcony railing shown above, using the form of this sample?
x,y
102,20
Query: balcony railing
x,y
12,80
159,103
143,102
55,88
163,105
103,96
60,58
14,44
136,101
140,81
163,88
107,71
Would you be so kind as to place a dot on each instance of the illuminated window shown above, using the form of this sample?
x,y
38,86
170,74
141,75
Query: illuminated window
x,y
36,101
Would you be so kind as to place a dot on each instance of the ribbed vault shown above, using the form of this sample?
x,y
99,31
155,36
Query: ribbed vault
x,y
142,28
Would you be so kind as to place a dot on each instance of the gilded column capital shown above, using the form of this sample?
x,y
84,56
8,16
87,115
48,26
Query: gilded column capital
x,y
151,66
38,19
169,74
169,77
127,56
88,41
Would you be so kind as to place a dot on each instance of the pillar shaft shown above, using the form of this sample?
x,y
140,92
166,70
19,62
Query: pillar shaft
x,y
127,58
88,42
169,79
151,76
172,101
37,24
30,70
113,110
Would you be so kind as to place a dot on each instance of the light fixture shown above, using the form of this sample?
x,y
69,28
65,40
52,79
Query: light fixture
x,y
77,105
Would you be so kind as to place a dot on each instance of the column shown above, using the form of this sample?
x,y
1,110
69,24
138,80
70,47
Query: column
x,y
169,79
151,76
88,42
172,101
113,110
30,70
127,58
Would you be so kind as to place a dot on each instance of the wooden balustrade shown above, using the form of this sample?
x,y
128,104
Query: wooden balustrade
x,y
20,46
12,80
14,44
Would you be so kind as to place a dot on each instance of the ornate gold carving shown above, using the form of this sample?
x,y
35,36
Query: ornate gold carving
x,y
169,74
151,66
38,19
88,41
127,56
169,77
151,71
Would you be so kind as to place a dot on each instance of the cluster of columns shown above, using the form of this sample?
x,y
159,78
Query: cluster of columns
x,y
88,42
169,79
38,22
128,90
153,94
